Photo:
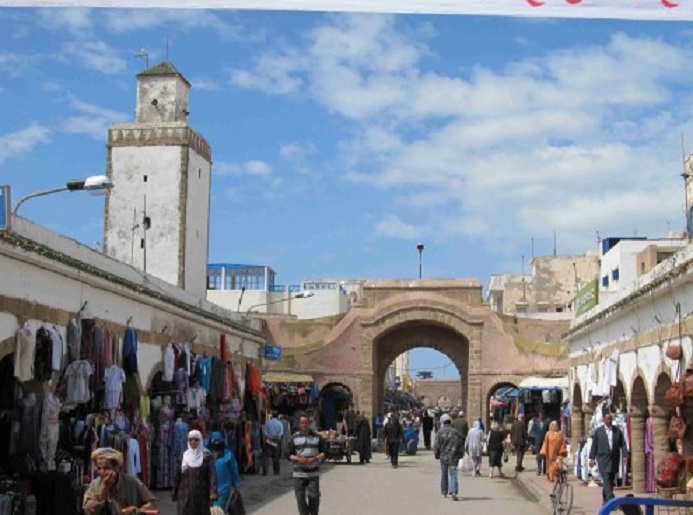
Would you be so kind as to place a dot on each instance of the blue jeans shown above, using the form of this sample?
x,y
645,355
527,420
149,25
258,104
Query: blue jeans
x,y
448,471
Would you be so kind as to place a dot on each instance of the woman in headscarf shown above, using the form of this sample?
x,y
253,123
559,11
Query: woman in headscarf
x,y
474,445
195,479
495,449
363,438
226,467
553,448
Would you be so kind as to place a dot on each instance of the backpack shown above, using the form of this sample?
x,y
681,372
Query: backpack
x,y
669,469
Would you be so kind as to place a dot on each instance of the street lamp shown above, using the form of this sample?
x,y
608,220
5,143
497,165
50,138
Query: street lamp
x,y
420,248
299,295
96,184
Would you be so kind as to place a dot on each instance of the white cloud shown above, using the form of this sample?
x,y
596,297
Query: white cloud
x,y
96,55
93,120
204,84
392,227
76,20
130,20
253,167
18,143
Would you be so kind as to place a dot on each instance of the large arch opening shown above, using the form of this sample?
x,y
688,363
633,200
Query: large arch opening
x,y
334,400
420,334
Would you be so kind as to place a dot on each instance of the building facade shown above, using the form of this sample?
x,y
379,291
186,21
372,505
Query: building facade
x,y
627,332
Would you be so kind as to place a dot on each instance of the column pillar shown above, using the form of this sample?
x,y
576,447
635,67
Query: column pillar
x,y
660,427
577,426
637,450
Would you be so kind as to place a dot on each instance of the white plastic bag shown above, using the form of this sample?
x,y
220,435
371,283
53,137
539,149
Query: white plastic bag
x,y
466,465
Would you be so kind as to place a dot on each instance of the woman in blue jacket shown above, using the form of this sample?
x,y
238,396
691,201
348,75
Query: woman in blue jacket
x,y
228,477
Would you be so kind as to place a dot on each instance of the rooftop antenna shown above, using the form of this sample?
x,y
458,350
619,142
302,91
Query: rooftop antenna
x,y
143,54
167,49
554,243
532,247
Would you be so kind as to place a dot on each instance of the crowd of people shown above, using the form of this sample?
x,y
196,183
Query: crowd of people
x,y
208,474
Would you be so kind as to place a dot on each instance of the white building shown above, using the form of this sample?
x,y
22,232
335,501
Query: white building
x,y
644,305
157,216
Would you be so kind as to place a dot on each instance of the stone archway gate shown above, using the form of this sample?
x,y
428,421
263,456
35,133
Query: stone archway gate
x,y
394,316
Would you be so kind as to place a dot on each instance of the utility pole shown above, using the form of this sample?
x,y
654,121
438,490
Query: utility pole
x,y
420,248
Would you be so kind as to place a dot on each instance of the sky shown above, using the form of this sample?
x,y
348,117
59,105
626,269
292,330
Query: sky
x,y
341,141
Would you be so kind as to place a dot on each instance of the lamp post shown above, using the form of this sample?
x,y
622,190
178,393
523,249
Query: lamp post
x,y
299,295
95,184
420,248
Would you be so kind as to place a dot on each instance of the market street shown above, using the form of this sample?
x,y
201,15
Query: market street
x,y
378,489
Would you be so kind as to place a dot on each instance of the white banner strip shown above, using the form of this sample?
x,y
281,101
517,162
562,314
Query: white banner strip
x,y
663,10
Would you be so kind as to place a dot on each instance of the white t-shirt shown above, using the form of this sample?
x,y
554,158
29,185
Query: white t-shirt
x,y
77,374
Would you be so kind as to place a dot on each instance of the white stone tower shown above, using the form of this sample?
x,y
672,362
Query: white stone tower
x,y
157,216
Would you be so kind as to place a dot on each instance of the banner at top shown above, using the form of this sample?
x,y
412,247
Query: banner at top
x,y
663,10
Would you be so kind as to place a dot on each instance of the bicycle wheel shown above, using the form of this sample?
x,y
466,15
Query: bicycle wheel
x,y
565,501
556,495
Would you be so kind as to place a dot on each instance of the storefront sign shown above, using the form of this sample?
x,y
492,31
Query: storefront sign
x,y
587,297
664,10
273,352
4,208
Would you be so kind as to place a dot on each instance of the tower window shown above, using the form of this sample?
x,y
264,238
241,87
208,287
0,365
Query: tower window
x,y
199,173
145,178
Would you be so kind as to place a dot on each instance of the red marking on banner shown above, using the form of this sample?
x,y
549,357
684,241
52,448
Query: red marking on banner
x,y
573,2
668,4
536,3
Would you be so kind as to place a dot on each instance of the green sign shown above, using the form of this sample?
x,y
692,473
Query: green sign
x,y
587,297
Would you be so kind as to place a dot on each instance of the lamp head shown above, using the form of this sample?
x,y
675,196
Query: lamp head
x,y
420,247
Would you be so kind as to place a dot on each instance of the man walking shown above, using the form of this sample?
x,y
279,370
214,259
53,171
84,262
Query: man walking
x,y
306,452
537,435
273,431
392,434
607,443
460,423
448,448
427,426
519,437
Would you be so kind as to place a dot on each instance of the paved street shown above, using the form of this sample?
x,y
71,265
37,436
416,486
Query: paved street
x,y
377,489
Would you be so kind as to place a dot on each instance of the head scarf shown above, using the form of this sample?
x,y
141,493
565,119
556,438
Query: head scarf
x,y
476,426
553,426
192,458
107,453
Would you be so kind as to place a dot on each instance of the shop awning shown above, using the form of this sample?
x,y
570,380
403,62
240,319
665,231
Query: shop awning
x,y
286,377
544,383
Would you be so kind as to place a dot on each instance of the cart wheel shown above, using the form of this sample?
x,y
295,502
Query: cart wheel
x,y
411,447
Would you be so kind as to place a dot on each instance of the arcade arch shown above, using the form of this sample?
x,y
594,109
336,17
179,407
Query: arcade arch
x,y
333,401
419,333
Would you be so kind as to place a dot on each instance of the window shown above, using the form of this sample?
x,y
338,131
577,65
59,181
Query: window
x,y
605,281
521,308
145,178
559,309
614,274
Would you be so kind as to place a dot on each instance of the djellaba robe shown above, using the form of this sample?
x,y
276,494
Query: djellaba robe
x,y
552,448
194,486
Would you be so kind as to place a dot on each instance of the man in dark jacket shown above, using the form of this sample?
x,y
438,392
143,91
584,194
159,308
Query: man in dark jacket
x,y
392,434
608,443
537,434
519,437
427,426
460,423
448,448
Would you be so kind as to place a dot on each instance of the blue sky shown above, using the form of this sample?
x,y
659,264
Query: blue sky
x,y
340,141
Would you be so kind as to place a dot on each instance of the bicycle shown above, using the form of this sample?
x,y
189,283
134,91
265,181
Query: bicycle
x,y
562,495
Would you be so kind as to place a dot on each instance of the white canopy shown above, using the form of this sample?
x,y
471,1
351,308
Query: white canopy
x,y
543,383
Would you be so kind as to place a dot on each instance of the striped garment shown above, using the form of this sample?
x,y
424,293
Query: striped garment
x,y
307,446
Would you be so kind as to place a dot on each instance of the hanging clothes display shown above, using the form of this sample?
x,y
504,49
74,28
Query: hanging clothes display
x,y
130,351
114,377
49,430
24,353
